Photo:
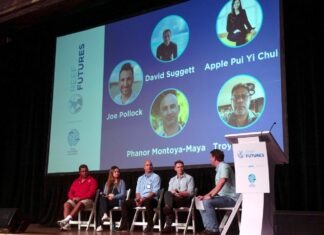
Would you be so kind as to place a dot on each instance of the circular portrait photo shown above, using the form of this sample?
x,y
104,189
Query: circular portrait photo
x,y
239,22
169,113
125,82
169,38
241,101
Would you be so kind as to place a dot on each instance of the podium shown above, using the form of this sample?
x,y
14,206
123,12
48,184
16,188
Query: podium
x,y
255,156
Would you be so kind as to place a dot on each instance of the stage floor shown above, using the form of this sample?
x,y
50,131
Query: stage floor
x,y
41,229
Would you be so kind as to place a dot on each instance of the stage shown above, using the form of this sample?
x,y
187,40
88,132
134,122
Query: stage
x,y
285,223
45,230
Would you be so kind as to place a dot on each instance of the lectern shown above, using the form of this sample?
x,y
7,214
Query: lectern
x,y
255,155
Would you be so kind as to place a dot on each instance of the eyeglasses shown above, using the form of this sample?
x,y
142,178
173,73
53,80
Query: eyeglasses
x,y
241,96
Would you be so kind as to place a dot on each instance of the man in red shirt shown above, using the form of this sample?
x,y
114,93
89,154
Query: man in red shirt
x,y
80,195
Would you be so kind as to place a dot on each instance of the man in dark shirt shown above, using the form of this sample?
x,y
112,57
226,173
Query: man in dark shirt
x,y
167,50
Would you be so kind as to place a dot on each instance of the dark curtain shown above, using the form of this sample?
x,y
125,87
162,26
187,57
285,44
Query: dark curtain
x,y
26,68
300,184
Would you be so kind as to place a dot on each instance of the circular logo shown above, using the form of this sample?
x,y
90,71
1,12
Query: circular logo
x,y
252,178
75,103
73,137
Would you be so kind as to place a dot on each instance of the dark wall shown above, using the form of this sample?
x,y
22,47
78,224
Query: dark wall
x,y
26,69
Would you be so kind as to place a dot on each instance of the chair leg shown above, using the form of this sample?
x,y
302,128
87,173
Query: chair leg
x,y
187,223
89,221
228,224
143,220
193,219
79,220
110,221
176,220
239,220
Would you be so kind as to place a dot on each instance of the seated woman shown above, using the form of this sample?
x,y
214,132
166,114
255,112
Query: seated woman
x,y
238,25
113,195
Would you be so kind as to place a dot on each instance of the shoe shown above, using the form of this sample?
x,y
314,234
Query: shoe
x,y
105,217
99,228
167,229
148,229
62,223
66,227
122,228
210,232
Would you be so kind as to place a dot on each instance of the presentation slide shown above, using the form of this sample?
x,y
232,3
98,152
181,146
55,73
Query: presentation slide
x,y
167,85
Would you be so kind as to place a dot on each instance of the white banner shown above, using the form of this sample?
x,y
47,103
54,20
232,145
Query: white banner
x,y
251,167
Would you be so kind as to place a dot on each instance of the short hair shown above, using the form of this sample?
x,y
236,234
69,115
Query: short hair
x,y
250,87
83,166
126,67
166,31
217,154
178,161
157,103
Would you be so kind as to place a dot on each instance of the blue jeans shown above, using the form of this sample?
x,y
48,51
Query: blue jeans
x,y
209,215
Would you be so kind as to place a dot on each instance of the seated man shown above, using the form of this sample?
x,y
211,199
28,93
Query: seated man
x,y
80,195
181,189
222,195
147,188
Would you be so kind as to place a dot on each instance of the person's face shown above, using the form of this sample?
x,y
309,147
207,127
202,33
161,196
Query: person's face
x,y
236,4
148,167
84,172
241,101
213,160
126,82
169,110
167,38
179,168
116,173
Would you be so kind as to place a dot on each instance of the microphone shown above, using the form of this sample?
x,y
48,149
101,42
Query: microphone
x,y
274,123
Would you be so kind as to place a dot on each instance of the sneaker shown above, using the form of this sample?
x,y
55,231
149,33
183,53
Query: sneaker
x,y
122,228
62,223
105,217
99,228
66,227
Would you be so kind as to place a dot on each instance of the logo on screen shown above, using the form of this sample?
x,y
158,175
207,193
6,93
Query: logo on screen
x,y
73,137
75,103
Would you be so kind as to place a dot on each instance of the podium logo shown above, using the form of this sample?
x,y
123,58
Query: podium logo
x,y
252,178
240,154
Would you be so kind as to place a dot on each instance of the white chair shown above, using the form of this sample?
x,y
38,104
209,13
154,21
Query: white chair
x,y
157,215
229,216
116,208
91,222
190,217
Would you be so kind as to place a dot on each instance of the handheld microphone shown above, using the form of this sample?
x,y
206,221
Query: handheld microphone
x,y
274,123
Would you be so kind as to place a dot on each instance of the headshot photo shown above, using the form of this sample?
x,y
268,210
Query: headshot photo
x,y
125,83
169,38
239,22
241,101
169,113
